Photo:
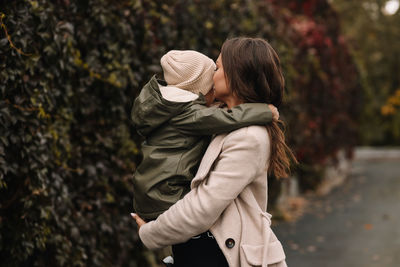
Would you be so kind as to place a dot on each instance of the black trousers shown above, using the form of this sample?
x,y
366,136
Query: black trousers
x,y
199,251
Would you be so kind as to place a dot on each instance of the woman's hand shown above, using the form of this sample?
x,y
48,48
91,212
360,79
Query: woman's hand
x,y
139,221
275,112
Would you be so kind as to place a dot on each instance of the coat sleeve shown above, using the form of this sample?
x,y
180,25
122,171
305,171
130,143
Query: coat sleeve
x,y
199,120
242,156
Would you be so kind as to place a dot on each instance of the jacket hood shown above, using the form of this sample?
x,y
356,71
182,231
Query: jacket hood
x,y
151,109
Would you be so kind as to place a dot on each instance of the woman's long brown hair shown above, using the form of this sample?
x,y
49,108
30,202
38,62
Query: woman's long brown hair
x,y
253,73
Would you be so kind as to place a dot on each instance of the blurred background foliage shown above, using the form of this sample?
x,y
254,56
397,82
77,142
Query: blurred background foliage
x,y
69,71
372,28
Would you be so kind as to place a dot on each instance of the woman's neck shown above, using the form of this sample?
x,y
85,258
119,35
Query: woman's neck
x,y
232,101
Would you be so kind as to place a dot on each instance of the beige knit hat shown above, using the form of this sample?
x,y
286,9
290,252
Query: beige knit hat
x,y
188,70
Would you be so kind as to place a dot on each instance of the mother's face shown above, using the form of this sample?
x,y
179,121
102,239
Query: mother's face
x,y
221,90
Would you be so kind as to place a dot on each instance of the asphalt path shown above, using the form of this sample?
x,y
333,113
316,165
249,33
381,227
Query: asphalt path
x,y
356,225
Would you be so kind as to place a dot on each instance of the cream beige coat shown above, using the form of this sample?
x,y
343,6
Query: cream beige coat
x,y
229,198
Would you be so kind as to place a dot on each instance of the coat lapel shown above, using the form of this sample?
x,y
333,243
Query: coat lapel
x,y
212,152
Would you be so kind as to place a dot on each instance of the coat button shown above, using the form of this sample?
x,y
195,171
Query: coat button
x,y
230,243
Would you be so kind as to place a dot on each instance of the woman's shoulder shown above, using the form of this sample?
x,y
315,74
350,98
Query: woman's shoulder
x,y
253,130
254,134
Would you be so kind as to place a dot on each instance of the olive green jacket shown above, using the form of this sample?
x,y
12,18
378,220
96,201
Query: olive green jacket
x,y
176,137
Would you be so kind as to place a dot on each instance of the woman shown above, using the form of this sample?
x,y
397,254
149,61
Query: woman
x,y
228,197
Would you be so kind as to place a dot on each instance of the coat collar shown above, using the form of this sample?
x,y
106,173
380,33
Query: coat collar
x,y
212,152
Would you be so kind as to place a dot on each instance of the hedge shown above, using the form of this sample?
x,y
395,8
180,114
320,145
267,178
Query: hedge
x,y
69,71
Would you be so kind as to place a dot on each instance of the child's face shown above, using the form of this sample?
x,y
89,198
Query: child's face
x,y
210,97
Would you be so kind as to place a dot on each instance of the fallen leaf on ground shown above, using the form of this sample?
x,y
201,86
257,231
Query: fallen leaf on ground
x,y
368,226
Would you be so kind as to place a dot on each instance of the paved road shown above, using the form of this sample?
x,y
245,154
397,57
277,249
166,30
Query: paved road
x,y
356,225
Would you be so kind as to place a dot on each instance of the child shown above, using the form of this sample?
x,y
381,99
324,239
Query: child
x,y
177,126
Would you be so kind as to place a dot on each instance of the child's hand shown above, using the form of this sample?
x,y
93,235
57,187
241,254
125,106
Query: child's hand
x,y
275,112
139,221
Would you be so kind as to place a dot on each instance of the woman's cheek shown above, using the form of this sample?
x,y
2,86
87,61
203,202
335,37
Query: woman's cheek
x,y
215,79
217,82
